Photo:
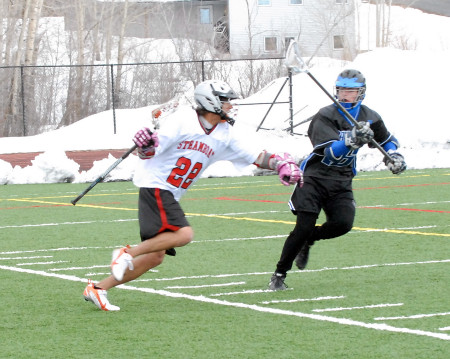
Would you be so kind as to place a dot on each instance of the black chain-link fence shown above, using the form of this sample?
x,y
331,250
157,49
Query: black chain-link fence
x,y
36,99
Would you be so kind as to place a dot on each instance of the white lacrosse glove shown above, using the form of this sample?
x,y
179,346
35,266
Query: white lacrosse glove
x,y
396,164
358,137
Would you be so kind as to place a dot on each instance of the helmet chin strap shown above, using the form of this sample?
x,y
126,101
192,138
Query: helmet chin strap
x,y
227,118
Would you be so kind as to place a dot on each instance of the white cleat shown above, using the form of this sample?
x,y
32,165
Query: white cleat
x,y
98,297
121,260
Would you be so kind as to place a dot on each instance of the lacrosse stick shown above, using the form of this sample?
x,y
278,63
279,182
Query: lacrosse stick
x,y
103,176
295,63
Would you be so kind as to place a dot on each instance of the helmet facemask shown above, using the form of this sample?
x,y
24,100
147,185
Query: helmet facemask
x,y
350,105
229,115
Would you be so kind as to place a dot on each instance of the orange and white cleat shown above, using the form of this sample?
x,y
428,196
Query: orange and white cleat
x,y
121,260
98,297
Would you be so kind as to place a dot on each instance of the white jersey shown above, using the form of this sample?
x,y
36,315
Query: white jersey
x,y
186,149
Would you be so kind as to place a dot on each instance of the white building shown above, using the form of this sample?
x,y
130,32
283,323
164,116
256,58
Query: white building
x,y
265,27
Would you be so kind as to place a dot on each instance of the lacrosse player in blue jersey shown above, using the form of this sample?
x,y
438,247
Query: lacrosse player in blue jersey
x,y
329,169
172,160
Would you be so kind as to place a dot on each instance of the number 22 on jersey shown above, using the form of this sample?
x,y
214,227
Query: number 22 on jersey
x,y
178,176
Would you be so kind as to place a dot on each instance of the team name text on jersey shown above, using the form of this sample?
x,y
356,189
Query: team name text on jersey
x,y
196,146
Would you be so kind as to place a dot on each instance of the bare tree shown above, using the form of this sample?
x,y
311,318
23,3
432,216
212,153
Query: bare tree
x,y
12,110
25,54
73,110
382,22
31,53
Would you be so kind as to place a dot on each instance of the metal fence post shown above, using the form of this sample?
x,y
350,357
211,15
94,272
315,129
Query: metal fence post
x,y
22,89
203,70
113,99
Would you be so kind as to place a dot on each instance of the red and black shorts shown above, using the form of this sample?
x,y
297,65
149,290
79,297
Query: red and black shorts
x,y
159,212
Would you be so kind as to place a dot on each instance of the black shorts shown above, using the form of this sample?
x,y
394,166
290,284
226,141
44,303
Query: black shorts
x,y
320,193
159,212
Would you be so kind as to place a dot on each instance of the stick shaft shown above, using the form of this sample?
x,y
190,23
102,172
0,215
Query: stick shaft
x,y
102,176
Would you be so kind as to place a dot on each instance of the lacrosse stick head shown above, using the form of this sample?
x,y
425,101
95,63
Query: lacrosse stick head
x,y
294,61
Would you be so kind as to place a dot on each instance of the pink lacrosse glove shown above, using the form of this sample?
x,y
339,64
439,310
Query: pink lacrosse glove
x,y
288,170
145,138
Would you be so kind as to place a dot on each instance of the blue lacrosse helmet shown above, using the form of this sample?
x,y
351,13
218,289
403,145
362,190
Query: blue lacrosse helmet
x,y
351,79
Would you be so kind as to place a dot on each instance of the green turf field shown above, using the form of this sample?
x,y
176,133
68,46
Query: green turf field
x,y
381,291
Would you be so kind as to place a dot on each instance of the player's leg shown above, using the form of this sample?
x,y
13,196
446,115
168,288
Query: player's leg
x,y
142,264
163,241
340,214
307,203
97,293
294,242
303,230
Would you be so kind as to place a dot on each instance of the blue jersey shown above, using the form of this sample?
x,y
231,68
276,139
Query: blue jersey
x,y
327,127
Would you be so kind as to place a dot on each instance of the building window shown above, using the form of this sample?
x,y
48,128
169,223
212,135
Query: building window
x,y
205,15
338,42
264,2
295,2
270,44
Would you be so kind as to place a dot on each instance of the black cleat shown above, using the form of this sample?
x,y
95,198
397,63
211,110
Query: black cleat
x,y
302,257
277,282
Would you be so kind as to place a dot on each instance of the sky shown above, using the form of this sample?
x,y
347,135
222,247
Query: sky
x,y
408,88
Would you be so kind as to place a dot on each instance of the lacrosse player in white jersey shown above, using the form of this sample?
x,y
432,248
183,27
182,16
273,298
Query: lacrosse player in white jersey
x,y
172,160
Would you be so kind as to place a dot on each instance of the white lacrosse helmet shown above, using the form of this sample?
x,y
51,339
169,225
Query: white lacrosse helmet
x,y
210,95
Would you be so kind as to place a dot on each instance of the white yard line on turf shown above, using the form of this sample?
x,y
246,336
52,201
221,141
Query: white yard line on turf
x,y
256,291
202,299
78,268
66,223
61,249
353,308
40,263
415,316
303,299
21,258
205,285
406,204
